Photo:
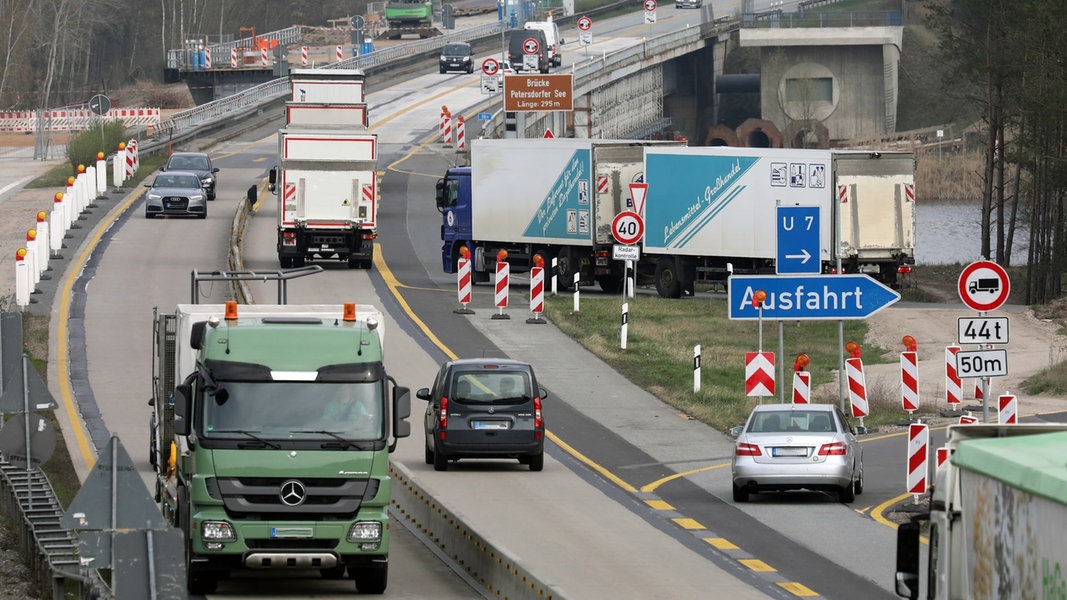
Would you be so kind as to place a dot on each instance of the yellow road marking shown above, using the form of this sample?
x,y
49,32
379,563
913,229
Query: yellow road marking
x,y
721,544
757,565
659,505
797,589
689,524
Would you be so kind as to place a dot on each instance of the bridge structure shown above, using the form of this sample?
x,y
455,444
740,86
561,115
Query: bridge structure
x,y
825,77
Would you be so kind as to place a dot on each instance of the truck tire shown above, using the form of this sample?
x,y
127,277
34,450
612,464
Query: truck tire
x,y
371,580
610,285
197,581
337,572
567,264
286,262
667,283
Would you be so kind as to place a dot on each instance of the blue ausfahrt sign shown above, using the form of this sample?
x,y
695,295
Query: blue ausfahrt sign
x,y
792,298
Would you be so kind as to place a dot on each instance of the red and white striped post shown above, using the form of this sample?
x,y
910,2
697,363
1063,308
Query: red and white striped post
x,y
759,374
918,457
1008,413
503,271
207,58
968,419
464,283
537,292
461,143
801,380
233,58
857,383
446,133
941,458
444,123
340,54
953,384
304,56
263,57
909,376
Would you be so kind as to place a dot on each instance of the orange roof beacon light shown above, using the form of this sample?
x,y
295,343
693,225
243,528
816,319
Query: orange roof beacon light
x,y
81,169
802,362
41,216
20,254
350,311
910,344
71,180
122,146
502,256
231,311
31,235
539,261
853,349
758,298
464,252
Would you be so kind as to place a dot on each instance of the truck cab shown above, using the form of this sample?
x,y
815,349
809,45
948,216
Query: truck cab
x,y
454,203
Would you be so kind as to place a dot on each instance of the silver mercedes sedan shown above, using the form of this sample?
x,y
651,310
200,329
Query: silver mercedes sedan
x,y
799,446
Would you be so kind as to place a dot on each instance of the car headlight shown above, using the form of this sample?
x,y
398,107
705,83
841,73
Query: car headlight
x,y
218,531
196,197
365,531
466,59
207,181
154,196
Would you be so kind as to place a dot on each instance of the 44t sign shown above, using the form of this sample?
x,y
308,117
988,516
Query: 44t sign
x,y
982,330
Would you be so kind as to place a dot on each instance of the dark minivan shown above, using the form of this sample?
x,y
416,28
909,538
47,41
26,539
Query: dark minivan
x,y
484,408
526,39
457,56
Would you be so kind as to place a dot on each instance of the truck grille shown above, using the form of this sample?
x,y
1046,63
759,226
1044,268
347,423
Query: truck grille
x,y
262,497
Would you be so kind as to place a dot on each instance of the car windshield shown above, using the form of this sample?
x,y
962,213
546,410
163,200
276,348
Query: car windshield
x,y
456,50
196,163
491,387
177,181
791,421
294,410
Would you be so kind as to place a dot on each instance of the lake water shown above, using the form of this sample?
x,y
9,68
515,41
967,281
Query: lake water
x,y
948,233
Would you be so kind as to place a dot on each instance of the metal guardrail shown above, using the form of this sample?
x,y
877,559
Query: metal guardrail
x,y
777,19
183,57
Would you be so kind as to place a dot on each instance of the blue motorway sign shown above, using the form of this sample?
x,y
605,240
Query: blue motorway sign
x,y
791,298
798,241
484,116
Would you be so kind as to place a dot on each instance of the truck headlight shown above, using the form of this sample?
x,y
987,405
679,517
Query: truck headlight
x,y
218,531
365,531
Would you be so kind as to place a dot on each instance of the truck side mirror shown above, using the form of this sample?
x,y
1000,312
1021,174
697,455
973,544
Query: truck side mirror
x,y
196,335
907,575
252,194
182,394
440,194
401,412
272,180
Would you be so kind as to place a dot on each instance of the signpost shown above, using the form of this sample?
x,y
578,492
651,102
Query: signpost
x,y
628,227
650,11
585,34
798,241
794,298
490,76
984,285
982,330
982,363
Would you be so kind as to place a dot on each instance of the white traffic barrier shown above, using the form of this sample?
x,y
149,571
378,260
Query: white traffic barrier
x,y
696,368
31,259
22,279
68,204
909,381
44,241
801,387
80,193
503,271
918,453
857,387
57,227
625,324
1008,413
953,385
118,167
101,175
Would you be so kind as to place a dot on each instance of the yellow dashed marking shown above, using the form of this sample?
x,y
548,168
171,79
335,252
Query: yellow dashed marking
x,y
659,505
721,543
757,565
687,523
797,589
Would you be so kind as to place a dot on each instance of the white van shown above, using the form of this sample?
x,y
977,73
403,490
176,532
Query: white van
x,y
555,42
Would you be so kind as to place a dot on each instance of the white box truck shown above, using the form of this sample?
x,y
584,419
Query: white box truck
x,y
998,513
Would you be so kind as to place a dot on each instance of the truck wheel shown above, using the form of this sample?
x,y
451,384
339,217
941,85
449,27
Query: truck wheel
x,y
667,283
610,285
337,572
566,266
197,582
371,580
298,261
354,263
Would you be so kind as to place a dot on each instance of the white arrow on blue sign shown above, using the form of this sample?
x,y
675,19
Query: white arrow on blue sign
x,y
484,116
794,298
798,241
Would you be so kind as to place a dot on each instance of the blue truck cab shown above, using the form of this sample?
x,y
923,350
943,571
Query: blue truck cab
x,y
454,204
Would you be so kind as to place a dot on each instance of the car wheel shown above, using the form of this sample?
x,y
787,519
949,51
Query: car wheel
x,y
537,461
859,481
470,69
429,455
149,215
443,71
440,461
202,215
847,494
740,493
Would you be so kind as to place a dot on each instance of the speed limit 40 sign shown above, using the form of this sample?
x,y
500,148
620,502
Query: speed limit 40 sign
x,y
628,227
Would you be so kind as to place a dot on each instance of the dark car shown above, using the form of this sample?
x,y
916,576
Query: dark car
x,y
175,193
519,46
484,408
199,163
457,56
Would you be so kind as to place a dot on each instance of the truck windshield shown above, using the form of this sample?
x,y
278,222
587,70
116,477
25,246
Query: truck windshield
x,y
294,409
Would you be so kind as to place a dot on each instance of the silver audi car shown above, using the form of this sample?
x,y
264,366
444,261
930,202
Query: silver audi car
x,y
175,193
798,446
